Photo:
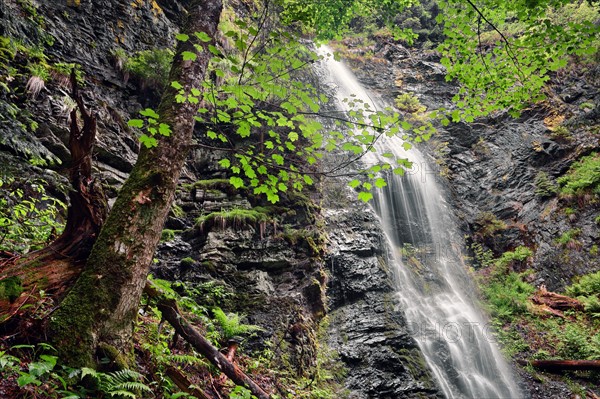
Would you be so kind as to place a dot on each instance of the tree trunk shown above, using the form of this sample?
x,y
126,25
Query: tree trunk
x,y
97,317
54,269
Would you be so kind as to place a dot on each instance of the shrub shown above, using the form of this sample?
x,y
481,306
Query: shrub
x,y
488,224
544,187
520,254
408,102
508,297
583,176
151,66
28,217
568,239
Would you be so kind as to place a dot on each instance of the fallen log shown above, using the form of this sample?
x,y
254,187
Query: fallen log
x,y
562,365
170,312
184,383
556,301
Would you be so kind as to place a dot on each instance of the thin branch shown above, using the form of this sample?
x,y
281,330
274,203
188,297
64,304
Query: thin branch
x,y
508,45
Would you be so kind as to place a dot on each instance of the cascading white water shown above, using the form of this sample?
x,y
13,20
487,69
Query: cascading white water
x,y
434,288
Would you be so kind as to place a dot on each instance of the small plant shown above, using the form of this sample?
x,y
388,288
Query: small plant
x,y
508,297
520,254
119,57
583,176
568,239
561,132
150,66
488,224
231,324
168,235
28,217
544,187
117,384
240,392
187,262
37,80
408,102
485,257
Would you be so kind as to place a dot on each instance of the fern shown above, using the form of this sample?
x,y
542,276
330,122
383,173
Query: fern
x,y
187,359
118,384
231,325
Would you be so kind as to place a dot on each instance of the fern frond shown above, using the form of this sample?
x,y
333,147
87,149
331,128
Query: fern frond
x,y
187,359
122,394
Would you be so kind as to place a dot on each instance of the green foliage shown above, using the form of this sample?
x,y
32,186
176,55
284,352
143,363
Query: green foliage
x,y
519,254
577,344
151,67
507,296
231,324
29,218
117,384
408,102
240,392
236,218
508,69
485,257
487,224
168,235
153,127
187,262
561,132
331,18
587,290
568,239
544,187
582,177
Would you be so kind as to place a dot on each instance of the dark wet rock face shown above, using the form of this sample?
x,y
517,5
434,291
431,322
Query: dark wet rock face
x,y
367,329
493,166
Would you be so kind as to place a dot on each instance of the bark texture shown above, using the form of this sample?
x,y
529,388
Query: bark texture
x,y
97,317
54,269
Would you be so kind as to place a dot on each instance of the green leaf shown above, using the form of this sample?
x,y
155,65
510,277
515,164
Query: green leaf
x,y
176,85
148,141
354,183
164,129
365,196
150,113
380,183
182,37
203,36
236,182
189,56
135,123
26,379
225,163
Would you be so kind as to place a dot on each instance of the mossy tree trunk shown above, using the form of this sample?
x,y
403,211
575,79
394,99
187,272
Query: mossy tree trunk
x,y
97,317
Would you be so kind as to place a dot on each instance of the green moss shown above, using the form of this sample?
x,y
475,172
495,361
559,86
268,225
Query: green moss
x,y
235,218
11,288
168,235
187,262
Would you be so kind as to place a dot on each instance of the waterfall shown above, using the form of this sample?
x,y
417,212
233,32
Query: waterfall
x,y
434,289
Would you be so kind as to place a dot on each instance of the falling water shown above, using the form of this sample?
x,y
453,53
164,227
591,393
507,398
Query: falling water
x,y
435,292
